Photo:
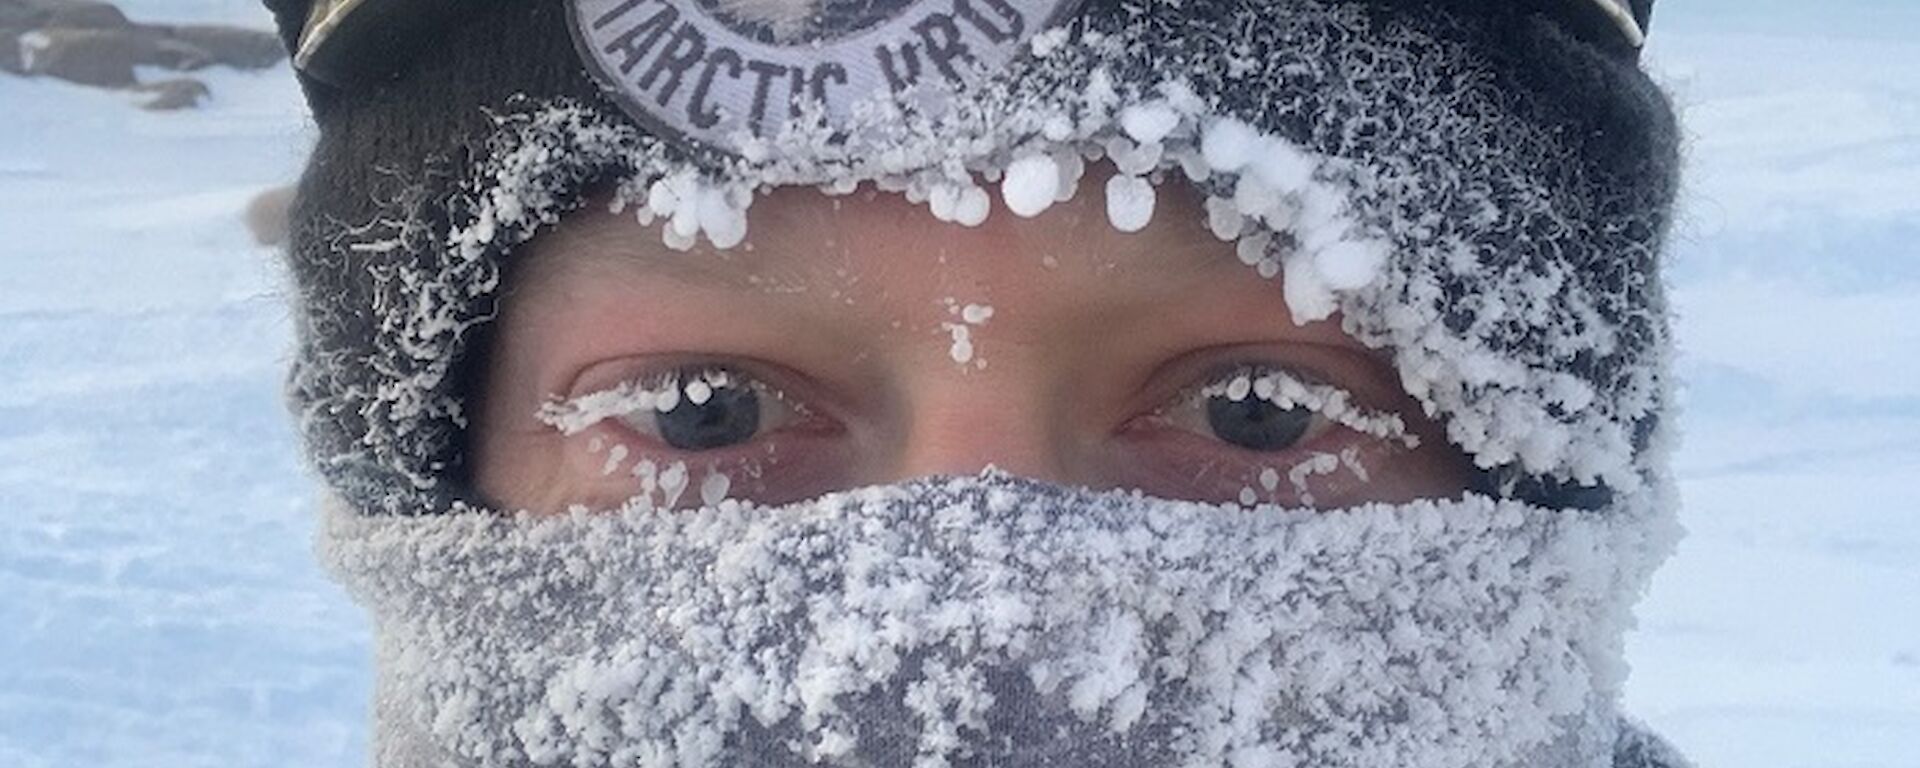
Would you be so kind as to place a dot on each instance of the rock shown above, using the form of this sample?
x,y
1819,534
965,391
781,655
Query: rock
x,y
176,93
91,42
232,46
87,58
70,14
10,51
266,215
104,57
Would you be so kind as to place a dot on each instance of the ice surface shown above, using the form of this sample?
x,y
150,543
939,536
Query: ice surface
x,y
161,608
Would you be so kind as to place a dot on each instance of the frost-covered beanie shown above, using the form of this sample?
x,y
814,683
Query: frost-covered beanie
x,y
1481,188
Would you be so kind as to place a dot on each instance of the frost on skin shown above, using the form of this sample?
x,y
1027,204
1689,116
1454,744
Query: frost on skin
x,y
961,348
994,621
1540,357
1308,468
615,458
960,334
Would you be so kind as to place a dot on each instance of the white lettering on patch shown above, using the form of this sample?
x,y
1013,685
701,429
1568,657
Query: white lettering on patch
x,y
719,71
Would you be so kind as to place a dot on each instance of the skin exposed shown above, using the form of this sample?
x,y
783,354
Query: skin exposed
x,y
839,314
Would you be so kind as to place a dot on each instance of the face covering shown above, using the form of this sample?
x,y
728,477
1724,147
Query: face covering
x,y
996,621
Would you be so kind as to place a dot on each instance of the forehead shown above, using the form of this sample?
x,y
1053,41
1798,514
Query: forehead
x,y
804,238
873,272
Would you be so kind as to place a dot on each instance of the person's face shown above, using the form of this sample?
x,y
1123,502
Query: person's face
x,y
857,340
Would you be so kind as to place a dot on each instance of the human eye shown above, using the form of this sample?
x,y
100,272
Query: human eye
x,y
688,408
1262,432
699,432
709,409
1269,409
1230,410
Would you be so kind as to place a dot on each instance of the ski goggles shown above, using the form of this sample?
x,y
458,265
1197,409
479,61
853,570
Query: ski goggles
x,y
349,43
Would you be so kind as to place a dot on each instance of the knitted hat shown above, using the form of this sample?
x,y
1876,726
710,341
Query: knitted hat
x,y
1480,188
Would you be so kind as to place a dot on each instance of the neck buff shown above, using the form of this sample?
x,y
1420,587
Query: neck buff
x,y
991,620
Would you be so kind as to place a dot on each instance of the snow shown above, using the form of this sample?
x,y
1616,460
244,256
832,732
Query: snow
x,y
698,392
713,489
1031,185
971,208
156,587
1130,202
163,609
1313,466
959,342
660,394
1349,265
1149,123
1228,145
1786,631
615,457
1286,391
960,335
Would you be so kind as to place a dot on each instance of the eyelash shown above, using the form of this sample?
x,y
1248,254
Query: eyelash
x,y
659,390
1287,387
1284,386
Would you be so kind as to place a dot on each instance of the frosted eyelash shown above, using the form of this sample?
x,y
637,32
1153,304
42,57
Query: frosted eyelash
x,y
661,393
1285,390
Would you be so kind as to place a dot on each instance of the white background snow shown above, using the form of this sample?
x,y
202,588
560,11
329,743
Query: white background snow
x,y
159,606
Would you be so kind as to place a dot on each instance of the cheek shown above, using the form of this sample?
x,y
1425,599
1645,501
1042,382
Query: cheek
x,y
520,463
606,467
1391,474
1397,474
547,472
1343,469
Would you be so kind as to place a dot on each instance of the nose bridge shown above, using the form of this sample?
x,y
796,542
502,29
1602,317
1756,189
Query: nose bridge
x,y
962,423
977,373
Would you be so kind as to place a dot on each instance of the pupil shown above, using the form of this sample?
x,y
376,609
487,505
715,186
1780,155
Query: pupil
x,y
729,417
1255,424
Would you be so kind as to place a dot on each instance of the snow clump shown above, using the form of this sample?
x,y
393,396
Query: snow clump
x,y
1031,185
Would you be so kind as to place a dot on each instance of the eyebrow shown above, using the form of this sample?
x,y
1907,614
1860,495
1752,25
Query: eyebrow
x,y
635,251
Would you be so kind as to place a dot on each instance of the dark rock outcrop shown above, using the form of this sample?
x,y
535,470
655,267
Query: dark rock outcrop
x,y
91,42
82,14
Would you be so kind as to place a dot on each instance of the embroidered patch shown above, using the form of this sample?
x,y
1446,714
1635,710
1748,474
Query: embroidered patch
x,y
719,71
